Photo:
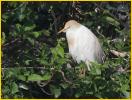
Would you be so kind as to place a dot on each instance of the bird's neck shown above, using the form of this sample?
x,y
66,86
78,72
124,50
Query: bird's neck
x,y
72,36
73,32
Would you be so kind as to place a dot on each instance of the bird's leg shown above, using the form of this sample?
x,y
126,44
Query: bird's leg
x,y
88,65
88,68
82,72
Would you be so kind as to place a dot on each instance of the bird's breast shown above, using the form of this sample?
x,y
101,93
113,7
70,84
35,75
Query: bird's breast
x,y
71,38
81,44
71,42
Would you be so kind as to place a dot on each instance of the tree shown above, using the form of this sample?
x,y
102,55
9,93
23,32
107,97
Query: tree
x,y
35,60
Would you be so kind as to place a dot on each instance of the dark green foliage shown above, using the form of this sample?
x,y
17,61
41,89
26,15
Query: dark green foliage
x,y
35,59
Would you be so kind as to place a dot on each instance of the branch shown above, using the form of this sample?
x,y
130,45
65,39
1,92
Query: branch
x,y
12,42
22,68
118,54
63,75
45,91
55,21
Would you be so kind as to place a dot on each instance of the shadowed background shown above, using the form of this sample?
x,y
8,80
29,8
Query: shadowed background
x,y
35,63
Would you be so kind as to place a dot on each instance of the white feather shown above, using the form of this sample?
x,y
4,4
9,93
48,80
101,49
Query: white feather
x,y
86,46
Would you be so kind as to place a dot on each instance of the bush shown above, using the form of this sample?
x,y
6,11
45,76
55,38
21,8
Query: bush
x,y
35,59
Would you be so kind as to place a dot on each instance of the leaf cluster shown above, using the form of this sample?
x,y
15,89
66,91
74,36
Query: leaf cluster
x,y
35,59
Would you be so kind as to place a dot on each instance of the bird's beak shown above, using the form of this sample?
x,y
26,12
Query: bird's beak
x,y
62,30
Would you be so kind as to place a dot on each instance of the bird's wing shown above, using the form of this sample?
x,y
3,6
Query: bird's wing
x,y
100,55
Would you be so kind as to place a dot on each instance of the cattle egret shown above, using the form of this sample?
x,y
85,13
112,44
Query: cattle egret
x,y
83,44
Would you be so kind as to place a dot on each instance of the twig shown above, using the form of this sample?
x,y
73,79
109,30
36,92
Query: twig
x,y
55,20
63,75
122,70
108,13
44,83
77,9
23,68
45,92
118,54
20,6
12,42
41,85
100,33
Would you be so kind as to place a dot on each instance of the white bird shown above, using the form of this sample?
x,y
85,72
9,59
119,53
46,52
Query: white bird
x,y
83,44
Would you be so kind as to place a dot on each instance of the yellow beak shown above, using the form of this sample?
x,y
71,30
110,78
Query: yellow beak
x,y
62,30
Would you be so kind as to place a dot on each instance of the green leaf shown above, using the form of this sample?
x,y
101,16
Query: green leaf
x,y
112,21
3,37
6,89
43,62
126,94
21,17
60,51
54,53
55,90
5,16
61,61
29,27
46,32
14,88
77,95
35,77
27,73
18,27
95,69
31,40
27,62
124,87
46,76
21,77
36,34
64,85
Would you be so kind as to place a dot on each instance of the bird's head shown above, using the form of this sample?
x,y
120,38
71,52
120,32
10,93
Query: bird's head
x,y
70,25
